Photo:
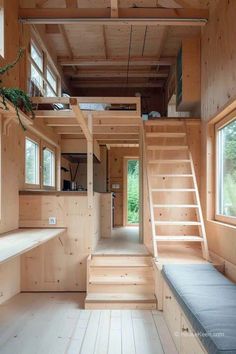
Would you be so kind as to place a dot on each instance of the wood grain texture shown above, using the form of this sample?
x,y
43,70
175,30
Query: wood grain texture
x,y
61,263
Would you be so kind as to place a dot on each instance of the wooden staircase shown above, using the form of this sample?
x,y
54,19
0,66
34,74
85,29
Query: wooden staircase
x,y
115,282
175,209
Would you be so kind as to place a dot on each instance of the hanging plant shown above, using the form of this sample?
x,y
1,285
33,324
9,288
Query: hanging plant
x,y
16,96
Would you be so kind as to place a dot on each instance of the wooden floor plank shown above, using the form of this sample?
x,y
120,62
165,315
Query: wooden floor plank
x,y
128,344
90,338
54,323
146,336
103,333
166,340
114,346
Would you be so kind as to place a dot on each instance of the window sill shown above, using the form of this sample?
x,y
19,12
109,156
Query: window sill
x,y
221,223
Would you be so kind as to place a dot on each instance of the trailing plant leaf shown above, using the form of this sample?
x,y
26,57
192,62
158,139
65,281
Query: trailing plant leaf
x,y
17,96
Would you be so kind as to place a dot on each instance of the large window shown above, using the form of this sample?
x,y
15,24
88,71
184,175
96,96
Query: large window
x,y
1,28
40,164
31,162
226,171
43,79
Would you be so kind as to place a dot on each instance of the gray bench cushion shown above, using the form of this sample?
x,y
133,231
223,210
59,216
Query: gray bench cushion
x,y
208,300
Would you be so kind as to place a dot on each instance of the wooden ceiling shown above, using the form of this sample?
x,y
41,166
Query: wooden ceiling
x,y
104,54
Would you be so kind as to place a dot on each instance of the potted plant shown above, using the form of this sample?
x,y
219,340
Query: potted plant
x,y
16,96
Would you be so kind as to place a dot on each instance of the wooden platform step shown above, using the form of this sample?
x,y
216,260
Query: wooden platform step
x,y
165,135
167,147
120,301
183,223
118,280
170,175
178,238
173,190
172,161
121,261
194,206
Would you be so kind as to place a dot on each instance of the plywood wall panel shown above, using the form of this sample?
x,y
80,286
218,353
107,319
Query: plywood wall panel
x,y
60,264
218,87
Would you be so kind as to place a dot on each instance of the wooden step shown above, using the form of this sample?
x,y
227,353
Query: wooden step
x,y
175,206
119,280
178,238
154,190
184,223
165,135
167,147
121,262
120,297
159,161
171,175
129,301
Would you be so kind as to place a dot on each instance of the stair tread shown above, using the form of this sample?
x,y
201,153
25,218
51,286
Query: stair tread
x,y
121,261
165,134
167,147
177,222
120,297
175,206
179,238
171,175
119,280
172,161
173,190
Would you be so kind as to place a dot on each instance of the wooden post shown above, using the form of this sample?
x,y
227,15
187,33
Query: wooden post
x,y
90,163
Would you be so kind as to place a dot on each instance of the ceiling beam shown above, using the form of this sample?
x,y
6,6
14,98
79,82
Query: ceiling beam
x,y
108,74
97,122
118,62
99,84
127,16
100,115
114,8
99,130
81,119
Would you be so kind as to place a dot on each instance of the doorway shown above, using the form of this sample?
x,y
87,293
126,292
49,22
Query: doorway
x,y
131,192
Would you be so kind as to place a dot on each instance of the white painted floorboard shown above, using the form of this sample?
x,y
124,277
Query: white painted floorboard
x,y
55,323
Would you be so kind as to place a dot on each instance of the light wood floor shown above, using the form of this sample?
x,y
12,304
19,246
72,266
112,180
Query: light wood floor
x,y
124,240
54,323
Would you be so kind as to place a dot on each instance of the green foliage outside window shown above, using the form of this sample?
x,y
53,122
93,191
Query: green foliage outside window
x,y
133,192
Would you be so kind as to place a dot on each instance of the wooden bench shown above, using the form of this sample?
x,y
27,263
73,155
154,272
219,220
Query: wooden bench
x,y
15,243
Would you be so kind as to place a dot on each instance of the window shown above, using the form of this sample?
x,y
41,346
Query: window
x,y
48,168
1,28
43,79
226,171
31,162
40,164
52,83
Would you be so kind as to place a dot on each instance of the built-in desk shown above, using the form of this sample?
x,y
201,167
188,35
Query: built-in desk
x,y
15,243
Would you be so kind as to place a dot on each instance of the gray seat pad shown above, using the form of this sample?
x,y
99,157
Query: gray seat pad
x,y
208,300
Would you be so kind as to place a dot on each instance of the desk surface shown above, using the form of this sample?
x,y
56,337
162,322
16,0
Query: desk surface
x,y
14,243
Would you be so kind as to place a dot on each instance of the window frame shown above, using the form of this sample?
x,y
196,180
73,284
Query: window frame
x,y
41,144
45,145
2,29
46,66
231,220
36,141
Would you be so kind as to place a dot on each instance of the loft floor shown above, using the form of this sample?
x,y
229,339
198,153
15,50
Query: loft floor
x,y
124,240
55,323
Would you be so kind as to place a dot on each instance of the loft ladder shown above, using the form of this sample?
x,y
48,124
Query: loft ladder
x,y
168,162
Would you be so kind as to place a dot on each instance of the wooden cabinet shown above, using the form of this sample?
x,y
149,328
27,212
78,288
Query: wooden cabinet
x,y
172,315
188,75
180,329
189,342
